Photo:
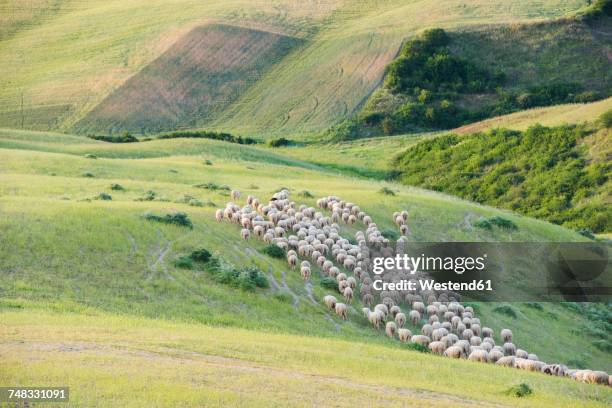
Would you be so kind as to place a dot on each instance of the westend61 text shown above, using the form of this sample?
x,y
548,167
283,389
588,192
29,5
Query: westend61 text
x,y
430,284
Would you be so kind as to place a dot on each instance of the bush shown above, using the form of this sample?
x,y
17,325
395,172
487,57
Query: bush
x,y
329,283
104,197
200,255
507,310
535,305
280,142
484,224
213,186
183,262
605,119
208,162
273,251
390,234
387,191
88,174
416,347
125,138
520,390
503,223
203,134
116,187
177,218
148,196
247,278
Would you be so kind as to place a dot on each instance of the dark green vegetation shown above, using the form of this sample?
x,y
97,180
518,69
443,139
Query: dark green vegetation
x,y
560,174
443,80
488,223
245,278
126,137
203,134
177,218
273,251
520,390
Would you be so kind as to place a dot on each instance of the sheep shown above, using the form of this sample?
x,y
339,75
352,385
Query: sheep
x,y
382,308
494,355
475,340
390,329
400,319
415,317
509,349
351,282
219,215
394,310
292,260
506,361
333,271
376,318
419,307
554,369
404,335
342,285
487,332
235,195
529,365
506,335
455,320
420,339
592,377
437,347
532,356
464,345
245,234
427,330
454,352
305,272
467,334
521,354
342,310
367,299
475,328
437,334
330,301
348,294
479,355
340,277
486,346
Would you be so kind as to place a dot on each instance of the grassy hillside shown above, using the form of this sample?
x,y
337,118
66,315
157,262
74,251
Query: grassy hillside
x,y
203,72
109,360
442,79
561,174
106,256
76,58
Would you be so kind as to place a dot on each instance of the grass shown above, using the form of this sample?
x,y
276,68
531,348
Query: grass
x,y
348,45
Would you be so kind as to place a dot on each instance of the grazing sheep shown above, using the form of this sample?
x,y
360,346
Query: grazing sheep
x,y
487,332
433,319
376,318
437,347
305,272
437,334
400,319
475,328
245,234
475,340
427,330
532,356
348,294
592,377
394,310
529,365
460,328
467,334
235,195
506,335
420,339
555,369
506,361
415,317
292,260
489,340
464,345
342,310
509,349
521,353
351,282
333,271
479,355
390,329
219,215
367,299
494,355
419,307
382,308
340,277
486,346
330,301
454,352
342,285
404,335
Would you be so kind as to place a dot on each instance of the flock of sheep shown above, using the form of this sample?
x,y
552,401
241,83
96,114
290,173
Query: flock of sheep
x,y
452,330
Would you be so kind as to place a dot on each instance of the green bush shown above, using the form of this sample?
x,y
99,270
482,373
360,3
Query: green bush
x,y
208,162
204,134
183,262
177,218
520,390
329,283
390,233
88,174
273,251
415,347
507,310
605,119
247,278
502,223
213,186
104,197
603,345
387,191
200,255
280,142
535,305
484,224
125,138
148,196
116,187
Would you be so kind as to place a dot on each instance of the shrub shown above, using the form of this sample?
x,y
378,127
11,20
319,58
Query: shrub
x,y
88,174
177,218
91,156
605,119
507,310
273,251
484,224
125,138
387,191
502,223
213,186
203,134
247,278
148,196
520,390
416,347
586,232
535,305
280,142
603,345
116,187
104,197
184,262
329,283
208,162
200,255
390,233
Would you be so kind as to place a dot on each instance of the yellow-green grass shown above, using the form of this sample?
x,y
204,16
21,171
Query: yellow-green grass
x,y
110,360
65,67
549,116
64,249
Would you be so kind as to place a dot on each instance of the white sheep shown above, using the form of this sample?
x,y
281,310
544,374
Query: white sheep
x,y
390,329
342,310
400,319
404,335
